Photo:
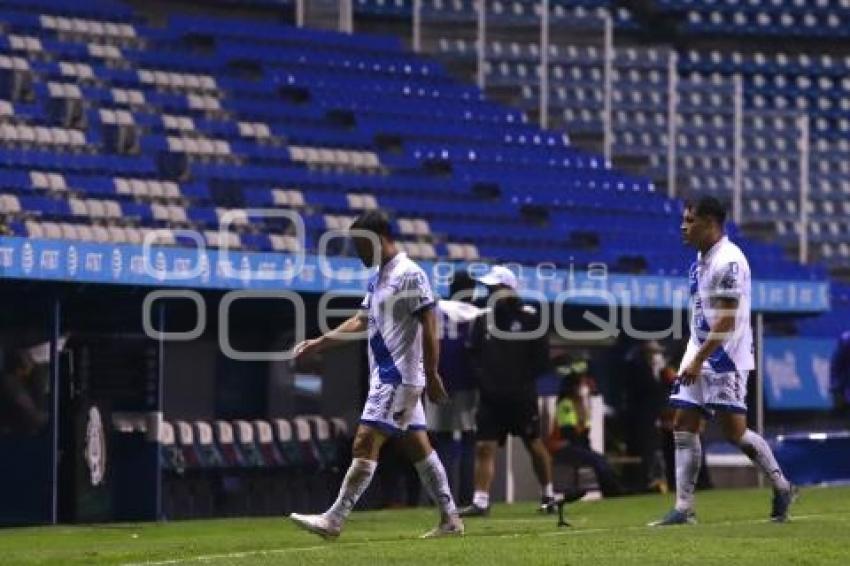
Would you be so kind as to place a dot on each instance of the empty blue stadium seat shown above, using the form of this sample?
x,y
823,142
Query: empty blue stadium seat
x,y
437,149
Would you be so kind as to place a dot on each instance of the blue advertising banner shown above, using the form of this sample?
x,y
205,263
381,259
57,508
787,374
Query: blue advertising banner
x,y
221,269
796,372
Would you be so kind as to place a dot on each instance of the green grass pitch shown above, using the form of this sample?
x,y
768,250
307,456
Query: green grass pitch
x,y
733,530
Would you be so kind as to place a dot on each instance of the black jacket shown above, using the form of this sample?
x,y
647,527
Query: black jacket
x,y
508,366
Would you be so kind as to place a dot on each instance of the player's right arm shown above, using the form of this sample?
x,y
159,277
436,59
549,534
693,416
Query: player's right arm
x,y
343,333
431,356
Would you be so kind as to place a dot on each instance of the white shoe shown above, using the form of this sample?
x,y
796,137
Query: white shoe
x,y
451,528
318,525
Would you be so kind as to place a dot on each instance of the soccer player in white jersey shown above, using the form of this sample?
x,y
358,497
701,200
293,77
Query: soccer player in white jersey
x,y
713,373
403,356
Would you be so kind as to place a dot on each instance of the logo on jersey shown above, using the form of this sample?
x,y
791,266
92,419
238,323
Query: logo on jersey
x,y
729,280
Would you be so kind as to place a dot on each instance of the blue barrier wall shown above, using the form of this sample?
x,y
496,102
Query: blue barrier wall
x,y
212,269
815,458
796,372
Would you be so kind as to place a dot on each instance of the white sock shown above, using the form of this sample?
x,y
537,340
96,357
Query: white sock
x,y
356,481
688,461
481,499
547,491
432,474
757,449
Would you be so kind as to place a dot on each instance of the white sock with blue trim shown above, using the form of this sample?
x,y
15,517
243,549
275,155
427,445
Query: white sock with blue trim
x,y
357,479
688,461
757,449
436,483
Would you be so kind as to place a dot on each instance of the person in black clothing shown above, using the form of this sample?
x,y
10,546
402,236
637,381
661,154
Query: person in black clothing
x,y
25,383
839,375
571,442
645,399
506,368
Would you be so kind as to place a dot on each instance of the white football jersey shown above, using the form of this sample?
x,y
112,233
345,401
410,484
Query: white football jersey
x,y
396,294
723,271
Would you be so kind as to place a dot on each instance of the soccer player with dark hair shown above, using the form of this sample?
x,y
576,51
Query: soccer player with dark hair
x,y
398,312
713,374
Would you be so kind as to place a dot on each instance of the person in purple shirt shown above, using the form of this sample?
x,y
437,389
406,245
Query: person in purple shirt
x,y
839,374
452,424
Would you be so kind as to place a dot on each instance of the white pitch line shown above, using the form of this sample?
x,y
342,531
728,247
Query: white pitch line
x,y
234,555
276,551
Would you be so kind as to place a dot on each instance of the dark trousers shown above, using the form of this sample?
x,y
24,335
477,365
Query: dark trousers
x,y
578,455
642,441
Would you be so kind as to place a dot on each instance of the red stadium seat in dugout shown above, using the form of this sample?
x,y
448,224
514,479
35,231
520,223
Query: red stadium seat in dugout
x,y
273,482
320,430
196,483
171,454
298,472
313,434
234,497
230,453
311,459
255,480
177,500
208,452
286,442
248,445
186,441
264,436
342,438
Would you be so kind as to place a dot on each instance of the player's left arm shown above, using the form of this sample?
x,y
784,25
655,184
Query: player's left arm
x,y
726,293
721,330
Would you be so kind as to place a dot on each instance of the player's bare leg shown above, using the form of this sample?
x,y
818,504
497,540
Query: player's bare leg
x,y
367,446
541,461
688,424
434,480
735,430
485,455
